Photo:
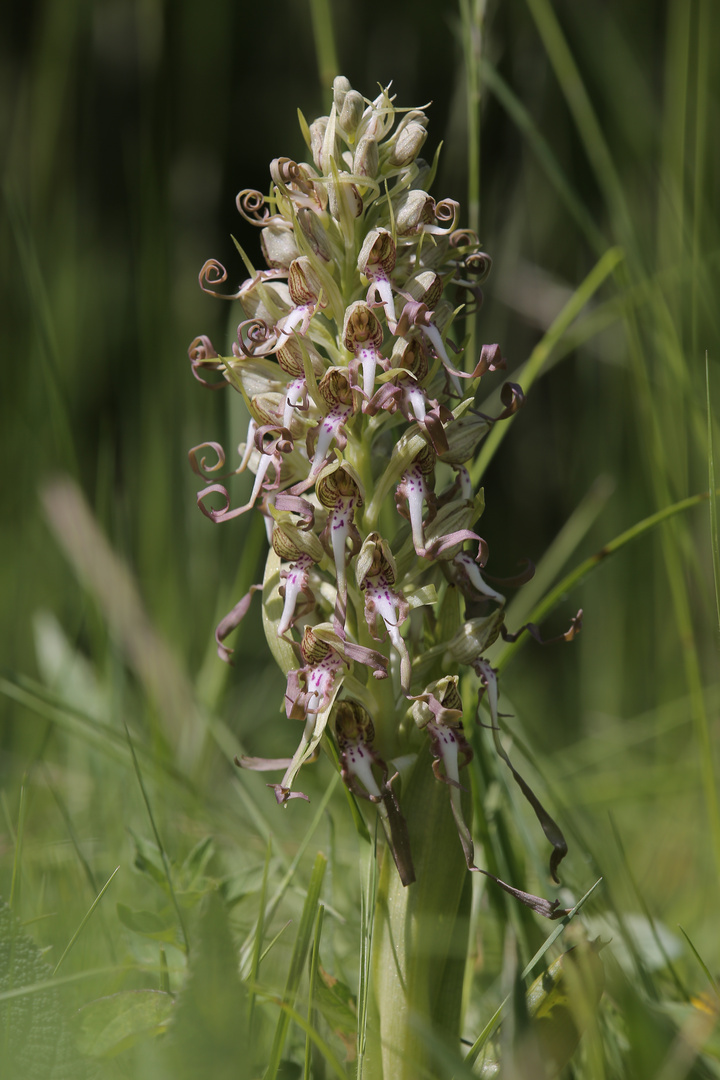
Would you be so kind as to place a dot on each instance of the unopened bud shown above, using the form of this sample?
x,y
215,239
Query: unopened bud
x,y
341,88
314,233
278,245
366,161
351,111
317,139
463,437
344,201
408,144
473,638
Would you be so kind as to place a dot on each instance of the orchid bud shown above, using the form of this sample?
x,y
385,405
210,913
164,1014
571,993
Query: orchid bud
x,y
317,139
278,245
344,201
464,436
474,638
367,160
408,144
341,88
443,692
350,112
313,231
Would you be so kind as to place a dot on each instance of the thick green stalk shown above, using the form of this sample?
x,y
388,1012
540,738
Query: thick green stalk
x,y
420,936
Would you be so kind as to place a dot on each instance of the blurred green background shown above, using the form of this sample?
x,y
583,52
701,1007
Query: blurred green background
x,y
126,130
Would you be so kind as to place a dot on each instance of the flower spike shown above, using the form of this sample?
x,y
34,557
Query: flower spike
x,y
360,428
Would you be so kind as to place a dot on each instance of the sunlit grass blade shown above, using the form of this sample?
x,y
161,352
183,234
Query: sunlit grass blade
x,y
714,540
541,353
311,1017
158,841
82,925
297,962
270,945
553,598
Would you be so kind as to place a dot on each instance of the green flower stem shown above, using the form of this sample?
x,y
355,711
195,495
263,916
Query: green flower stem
x,y
420,935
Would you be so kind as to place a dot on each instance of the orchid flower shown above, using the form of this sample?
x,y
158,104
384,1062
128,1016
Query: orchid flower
x,y
355,415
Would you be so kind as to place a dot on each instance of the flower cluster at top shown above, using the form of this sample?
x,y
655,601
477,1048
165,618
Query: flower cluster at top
x,y
363,416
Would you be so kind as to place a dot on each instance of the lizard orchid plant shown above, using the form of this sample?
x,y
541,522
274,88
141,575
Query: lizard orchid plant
x,y
364,414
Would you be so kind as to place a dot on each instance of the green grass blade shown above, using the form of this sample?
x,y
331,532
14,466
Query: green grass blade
x,y
17,856
63,980
273,940
311,992
541,353
58,407
327,61
297,962
158,841
259,935
714,543
524,122
580,106
558,554
89,912
368,897
710,978
549,941
319,815
553,598
297,1018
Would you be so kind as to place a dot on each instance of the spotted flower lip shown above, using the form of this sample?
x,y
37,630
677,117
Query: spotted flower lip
x,y
362,414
